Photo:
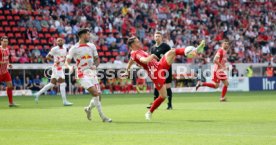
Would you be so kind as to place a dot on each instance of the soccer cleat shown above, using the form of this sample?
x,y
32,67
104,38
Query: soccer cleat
x,y
200,47
169,108
87,110
223,99
105,119
67,103
148,115
13,105
199,84
149,106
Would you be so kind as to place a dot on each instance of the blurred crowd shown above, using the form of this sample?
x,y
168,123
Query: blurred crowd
x,y
250,25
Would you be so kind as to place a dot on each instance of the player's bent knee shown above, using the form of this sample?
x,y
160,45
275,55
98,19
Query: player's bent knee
x,y
216,86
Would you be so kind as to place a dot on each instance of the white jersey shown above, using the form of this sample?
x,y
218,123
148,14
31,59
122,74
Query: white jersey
x,y
84,55
59,54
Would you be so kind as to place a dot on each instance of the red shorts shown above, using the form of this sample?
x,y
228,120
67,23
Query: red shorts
x,y
5,77
160,74
219,76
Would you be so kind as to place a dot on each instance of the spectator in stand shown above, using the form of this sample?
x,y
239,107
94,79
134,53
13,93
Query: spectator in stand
x,y
24,58
235,71
35,52
37,83
269,70
28,83
118,61
110,39
17,83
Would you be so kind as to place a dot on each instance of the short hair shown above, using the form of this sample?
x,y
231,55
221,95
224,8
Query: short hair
x,y
4,37
158,32
131,40
82,31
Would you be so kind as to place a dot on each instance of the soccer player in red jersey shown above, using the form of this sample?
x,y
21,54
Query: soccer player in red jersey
x,y
155,70
219,71
4,65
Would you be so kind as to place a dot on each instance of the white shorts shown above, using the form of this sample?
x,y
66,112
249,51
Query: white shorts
x,y
90,79
56,74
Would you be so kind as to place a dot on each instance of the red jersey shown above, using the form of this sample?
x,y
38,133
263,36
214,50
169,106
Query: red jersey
x,y
4,60
151,67
222,58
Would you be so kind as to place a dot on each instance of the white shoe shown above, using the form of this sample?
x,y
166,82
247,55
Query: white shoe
x,y
148,115
105,119
36,98
87,110
67,103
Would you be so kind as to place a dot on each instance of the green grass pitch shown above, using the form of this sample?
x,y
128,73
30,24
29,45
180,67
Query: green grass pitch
x,y
197,119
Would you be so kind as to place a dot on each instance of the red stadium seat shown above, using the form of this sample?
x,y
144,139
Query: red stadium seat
x,y
7,29
18,35
15,29
12,23
47,35
41,35
104,48
1,12
36,41
5,23
2,17
16,46
39,46
22,29
101,54
52,30
107,53
1,29
35,13
30,47
98,47
7,12
16,18
2,34
12,41
14,12
21,41
115,54
9,18
10,35
28,41
44,30
43,41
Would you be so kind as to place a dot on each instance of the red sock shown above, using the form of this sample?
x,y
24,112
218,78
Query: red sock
x,y
211,85
179,51
224,91
9,93
156,103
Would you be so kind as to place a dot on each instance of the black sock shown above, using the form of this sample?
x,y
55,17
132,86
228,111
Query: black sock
x,y
156,93
169,93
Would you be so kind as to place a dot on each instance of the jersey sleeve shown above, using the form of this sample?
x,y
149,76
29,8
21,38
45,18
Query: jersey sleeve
x,y
52,52
71,53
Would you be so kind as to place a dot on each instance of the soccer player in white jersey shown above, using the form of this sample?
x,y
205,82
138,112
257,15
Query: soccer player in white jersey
x,y
59,53
86,56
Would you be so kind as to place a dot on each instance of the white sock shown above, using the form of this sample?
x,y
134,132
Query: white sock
x,y
63,92
91,104
45,88
98,104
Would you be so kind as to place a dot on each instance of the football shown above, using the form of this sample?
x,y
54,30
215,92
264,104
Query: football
x,y
189,51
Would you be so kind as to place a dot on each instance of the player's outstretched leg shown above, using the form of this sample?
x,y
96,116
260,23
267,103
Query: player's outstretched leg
x,y
170,55
157,102
43,90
